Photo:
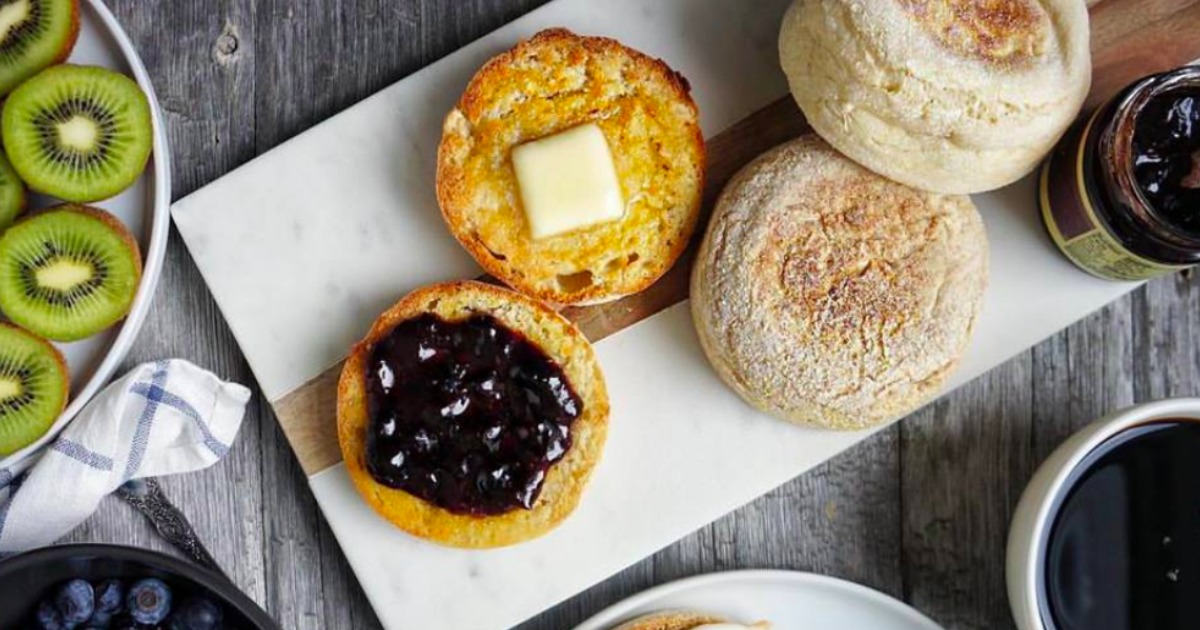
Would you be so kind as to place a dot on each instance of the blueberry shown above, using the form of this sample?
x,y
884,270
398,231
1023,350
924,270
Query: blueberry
x,y
48,617
149,601
98,621
75,601
110,594
196,614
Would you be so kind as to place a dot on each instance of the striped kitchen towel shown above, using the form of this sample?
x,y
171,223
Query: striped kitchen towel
x,y
162,418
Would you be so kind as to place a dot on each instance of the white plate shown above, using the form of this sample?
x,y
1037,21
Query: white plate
x,y
788,599
143,208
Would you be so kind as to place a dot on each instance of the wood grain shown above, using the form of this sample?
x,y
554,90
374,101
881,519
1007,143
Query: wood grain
x,y
727,153
1134,38
226,503
961,481
308,414
911,511
308,417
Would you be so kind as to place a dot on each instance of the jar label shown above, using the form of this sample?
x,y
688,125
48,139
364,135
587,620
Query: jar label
x,y
1071,218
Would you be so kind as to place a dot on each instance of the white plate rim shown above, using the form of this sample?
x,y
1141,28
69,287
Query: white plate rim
x,y
625,609
153,257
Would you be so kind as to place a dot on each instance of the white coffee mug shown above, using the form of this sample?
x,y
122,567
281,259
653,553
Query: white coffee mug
x,y
1030,530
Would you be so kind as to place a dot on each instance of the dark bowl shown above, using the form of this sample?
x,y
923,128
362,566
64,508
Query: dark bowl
x,y
27,578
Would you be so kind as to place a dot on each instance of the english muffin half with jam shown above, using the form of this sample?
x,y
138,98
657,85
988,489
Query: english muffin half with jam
x,y
472,416
572,168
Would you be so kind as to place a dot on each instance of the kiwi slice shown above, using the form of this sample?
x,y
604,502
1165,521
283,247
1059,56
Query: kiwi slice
x,y
34,34
80,133
68,272
12,194
33,388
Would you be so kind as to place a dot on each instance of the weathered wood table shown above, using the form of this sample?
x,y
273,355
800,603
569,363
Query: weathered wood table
x,y
920,511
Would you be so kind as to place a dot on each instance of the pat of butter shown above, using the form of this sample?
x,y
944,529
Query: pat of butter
x,y
568,181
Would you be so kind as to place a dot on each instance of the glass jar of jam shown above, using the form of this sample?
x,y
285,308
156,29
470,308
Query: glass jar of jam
x,y
1120,194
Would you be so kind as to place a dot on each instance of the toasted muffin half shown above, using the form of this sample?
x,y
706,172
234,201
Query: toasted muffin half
x,y
552,82
684,620
560,492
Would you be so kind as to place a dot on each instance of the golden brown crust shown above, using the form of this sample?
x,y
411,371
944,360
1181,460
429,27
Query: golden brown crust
x,y
682,620
552,82
565,480
1001,32
826,295
671,620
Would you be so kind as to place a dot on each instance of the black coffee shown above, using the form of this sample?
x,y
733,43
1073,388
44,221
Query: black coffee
x,y
1124,548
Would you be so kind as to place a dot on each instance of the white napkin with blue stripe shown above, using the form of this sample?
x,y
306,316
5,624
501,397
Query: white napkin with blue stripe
x,y
160,419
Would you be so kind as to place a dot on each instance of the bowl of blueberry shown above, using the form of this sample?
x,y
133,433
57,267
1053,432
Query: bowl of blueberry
x,y
87,587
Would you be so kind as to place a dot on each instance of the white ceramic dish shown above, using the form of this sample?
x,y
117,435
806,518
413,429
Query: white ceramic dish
x,y
1027,537
788,599
144,208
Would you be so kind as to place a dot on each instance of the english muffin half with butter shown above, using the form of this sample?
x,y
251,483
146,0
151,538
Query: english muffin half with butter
x,y
572,168
471,415
827,295
951,96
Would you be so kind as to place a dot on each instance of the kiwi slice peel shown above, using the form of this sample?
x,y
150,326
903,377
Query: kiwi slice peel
x,y
79,133
34,34
33,388
68,272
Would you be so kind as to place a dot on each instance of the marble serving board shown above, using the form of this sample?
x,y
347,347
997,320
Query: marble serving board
x,y
317,237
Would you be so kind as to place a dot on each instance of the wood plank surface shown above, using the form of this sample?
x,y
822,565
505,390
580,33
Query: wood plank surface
x,y
919,511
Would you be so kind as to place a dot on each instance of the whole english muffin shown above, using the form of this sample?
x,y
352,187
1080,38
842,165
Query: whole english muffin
x,y
827,295
550,83
953,96
564,481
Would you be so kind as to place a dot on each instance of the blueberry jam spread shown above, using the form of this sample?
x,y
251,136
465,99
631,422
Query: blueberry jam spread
x,y
1166,145
468,415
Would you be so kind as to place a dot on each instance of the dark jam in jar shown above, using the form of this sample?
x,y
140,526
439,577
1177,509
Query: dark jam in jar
x,y
1166,153
468,415
1119,194
1124,545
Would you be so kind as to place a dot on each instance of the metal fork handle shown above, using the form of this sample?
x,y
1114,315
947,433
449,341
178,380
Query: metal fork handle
x,y
147,497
